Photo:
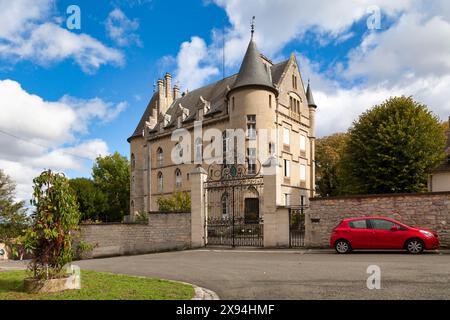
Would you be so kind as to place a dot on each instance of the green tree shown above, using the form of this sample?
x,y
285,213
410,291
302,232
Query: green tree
x,y
13,215
91,200
329,151
392,148
49,238
111,175
177,202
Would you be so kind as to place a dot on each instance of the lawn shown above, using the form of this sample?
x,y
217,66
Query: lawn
x,y
99,286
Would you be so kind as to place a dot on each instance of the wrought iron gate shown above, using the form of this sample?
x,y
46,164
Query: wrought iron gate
x,y
297,225
232,200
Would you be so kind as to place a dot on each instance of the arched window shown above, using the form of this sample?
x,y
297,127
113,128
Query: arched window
x,y
225,206
160,182
179,149
178,178
133,162
160,157
132,206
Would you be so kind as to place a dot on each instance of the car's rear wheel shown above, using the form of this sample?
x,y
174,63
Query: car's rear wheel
x,y
342,246
415,246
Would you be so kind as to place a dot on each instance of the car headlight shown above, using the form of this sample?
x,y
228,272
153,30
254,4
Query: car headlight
x,y
428,234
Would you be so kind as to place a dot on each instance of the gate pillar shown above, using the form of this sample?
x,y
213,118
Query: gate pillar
x,y
198,207
276,218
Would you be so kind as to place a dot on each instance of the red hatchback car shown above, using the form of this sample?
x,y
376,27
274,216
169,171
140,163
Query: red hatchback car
x,y
381,233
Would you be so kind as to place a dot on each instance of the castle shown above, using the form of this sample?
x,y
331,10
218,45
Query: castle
x,y
262,96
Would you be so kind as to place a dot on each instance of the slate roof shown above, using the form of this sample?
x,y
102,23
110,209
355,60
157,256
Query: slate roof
x,y
215,93
253,71
309,96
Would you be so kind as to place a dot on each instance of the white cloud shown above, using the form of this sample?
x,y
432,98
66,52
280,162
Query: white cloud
x,y
194,67
338,106
36,134
280,22
414,47
121,29
26,32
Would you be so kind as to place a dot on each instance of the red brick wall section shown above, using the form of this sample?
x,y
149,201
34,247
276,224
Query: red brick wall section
x,y
425,210
164,232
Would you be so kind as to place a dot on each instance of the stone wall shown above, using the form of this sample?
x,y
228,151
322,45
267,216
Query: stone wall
x,y
425,210
164,231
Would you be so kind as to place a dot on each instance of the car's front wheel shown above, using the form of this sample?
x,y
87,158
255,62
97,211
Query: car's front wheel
x,y
342,246
414,246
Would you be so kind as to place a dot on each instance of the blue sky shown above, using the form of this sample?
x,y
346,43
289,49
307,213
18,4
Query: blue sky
x,y
83,91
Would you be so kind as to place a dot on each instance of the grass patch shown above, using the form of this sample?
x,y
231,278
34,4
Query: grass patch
x,y
99,286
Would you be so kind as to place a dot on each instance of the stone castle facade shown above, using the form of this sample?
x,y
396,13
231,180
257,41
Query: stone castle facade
x,y
263,95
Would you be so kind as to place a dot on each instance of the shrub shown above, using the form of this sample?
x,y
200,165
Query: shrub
x,y
178,202
56,215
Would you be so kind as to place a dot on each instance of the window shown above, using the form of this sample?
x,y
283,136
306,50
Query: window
x,y
178,178
225,143
287,168
251,154
232,104
302,143
179,122
286,136
271,148
358,224
160,182
270,101
302,172
179,149
294,81
225,206
251,126
160,157
380,224
133,162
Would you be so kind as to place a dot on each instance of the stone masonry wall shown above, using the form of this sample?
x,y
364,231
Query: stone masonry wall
x,y
425,210
164,231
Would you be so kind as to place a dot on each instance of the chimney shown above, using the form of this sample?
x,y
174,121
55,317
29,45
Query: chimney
x,y
168,83
176,92
161,98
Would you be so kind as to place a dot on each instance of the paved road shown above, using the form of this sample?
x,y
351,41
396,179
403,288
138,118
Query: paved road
x,y
264,274
261,274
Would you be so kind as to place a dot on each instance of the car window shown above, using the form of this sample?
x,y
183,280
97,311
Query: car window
x,y
358,224
380,224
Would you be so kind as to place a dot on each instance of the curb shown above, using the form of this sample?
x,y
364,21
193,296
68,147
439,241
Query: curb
x,y
200,293
204,294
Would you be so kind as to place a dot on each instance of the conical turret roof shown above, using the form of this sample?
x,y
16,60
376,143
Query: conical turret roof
x,y
253,71
309,97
